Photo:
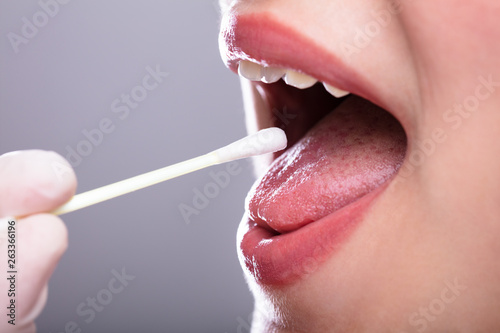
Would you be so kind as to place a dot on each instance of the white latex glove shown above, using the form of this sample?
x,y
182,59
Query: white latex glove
x,y
31,183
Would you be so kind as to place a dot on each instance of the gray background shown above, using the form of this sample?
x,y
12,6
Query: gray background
x,y
63,82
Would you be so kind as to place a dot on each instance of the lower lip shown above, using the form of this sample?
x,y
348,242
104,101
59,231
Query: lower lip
x,y
287,258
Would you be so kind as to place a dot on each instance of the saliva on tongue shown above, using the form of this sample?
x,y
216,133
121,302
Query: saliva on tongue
x,y
349,153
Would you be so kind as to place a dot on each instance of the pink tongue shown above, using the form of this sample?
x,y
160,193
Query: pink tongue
x,y
350,152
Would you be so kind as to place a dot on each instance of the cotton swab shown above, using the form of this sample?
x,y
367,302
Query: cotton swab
x,y
265,141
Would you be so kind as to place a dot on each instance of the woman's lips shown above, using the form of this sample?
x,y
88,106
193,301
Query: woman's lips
x,y
349,153
315,193
260,38
281,259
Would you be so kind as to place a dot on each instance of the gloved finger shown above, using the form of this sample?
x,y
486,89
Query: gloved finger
x,y
34,181
37,308
40,241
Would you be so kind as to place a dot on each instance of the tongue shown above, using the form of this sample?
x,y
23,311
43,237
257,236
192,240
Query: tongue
x,y
349,153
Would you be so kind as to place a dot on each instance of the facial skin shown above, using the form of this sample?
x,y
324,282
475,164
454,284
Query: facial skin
x,y
425,256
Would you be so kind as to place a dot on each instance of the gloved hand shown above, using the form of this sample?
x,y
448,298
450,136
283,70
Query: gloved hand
x,y
31,183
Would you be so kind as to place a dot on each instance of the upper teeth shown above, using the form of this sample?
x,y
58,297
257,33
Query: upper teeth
x,y
255,72
299,80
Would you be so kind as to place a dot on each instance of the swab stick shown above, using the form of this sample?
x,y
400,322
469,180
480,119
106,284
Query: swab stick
x,y
265,141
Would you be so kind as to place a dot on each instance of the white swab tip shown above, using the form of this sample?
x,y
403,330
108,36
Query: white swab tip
x,y
268,140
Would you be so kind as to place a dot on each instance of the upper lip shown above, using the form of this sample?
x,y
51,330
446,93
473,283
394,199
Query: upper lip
x,y
259,38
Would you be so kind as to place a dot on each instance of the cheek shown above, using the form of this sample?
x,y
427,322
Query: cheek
x,y
455,49
453,42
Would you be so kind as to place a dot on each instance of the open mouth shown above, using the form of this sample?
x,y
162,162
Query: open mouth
x,y
343,149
